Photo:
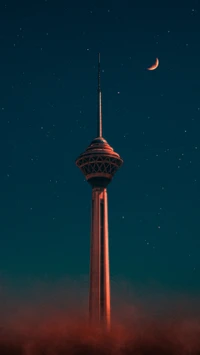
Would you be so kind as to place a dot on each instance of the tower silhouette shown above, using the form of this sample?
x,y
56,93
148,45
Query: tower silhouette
x,y
99,163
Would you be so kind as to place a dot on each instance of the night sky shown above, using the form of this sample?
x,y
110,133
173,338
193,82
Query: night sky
x,y
48,104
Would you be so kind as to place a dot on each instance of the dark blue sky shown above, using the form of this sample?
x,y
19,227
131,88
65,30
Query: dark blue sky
x,y
48,71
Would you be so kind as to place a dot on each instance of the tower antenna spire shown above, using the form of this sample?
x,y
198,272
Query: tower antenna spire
x,y
99,112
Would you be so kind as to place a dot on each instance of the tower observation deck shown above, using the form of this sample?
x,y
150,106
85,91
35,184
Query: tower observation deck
x,y
99,164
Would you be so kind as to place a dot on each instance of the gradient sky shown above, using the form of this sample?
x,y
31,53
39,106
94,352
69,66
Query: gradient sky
x,y
48,71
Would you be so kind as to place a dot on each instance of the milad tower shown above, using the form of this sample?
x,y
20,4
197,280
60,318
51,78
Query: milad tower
x,y
99,163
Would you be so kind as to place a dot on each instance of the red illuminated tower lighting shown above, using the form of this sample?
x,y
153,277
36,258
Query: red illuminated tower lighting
x,y
99,163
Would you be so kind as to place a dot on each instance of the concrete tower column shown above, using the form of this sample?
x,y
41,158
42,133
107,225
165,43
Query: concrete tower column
x,y
99,298
106,264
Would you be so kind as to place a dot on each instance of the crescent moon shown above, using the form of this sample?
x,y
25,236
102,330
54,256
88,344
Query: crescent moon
x,y
155,65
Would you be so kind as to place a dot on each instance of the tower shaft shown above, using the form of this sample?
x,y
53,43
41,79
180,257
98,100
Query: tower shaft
x,y
99,294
